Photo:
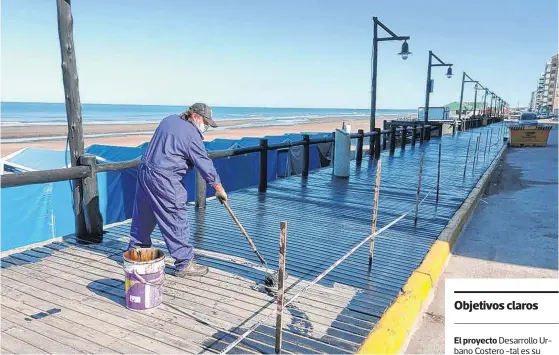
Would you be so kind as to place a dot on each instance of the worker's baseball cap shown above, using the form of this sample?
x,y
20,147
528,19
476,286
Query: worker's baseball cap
x,y
204,111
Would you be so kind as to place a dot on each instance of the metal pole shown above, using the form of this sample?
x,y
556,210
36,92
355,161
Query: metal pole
x,y
418,189
374,76
281,277
475,154
475,103
490,139
467,154
461,96
375,213
486,142
439,172
428,88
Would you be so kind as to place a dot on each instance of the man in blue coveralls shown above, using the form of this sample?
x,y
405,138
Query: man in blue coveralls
x,y
175,148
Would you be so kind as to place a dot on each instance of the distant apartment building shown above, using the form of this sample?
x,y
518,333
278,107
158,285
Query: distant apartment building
x,y
532,105
546,92
552,87
539,92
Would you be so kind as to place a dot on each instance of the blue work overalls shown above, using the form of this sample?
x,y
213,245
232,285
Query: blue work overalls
x,y
176,146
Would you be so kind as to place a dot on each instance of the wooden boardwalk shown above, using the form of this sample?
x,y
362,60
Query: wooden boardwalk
x,y
69,298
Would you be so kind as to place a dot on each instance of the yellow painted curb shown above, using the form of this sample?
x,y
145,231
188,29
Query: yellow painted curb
x,y
393,329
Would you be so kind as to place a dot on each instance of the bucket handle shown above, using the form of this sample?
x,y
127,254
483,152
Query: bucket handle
x,y
158,282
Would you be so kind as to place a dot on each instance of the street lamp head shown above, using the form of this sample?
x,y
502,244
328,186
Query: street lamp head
x,y
405,50
449,72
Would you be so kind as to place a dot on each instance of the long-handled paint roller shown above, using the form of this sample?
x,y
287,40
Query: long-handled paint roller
x,y
271,279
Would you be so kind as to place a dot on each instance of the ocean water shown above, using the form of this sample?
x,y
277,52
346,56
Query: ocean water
x,y
35,113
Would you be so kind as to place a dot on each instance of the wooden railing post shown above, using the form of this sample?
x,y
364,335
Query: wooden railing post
x,y
392,139
377,143
404,137
93,217
383,141
306,155
200,191
359,148
263,182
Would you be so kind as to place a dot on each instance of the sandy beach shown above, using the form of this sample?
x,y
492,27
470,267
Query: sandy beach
x,y
132,140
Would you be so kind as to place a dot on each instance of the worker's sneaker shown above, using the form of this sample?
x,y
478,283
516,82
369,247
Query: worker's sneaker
x,y
192,269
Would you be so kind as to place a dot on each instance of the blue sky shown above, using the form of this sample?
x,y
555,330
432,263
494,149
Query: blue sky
x,y
289,53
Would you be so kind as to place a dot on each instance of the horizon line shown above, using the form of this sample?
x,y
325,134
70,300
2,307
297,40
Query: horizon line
x,y
286,107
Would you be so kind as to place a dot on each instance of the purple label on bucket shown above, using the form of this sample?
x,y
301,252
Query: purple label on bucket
x,y
140,296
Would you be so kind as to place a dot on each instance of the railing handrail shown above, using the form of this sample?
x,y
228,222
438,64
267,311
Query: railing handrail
x,y
44,176
79,172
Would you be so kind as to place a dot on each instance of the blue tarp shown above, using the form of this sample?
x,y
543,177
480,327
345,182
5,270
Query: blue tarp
x,y
37,213
37,159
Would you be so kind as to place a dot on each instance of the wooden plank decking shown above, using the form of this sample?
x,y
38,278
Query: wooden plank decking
x,y
69,298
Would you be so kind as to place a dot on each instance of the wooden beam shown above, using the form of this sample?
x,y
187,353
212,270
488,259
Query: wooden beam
x,y
73,105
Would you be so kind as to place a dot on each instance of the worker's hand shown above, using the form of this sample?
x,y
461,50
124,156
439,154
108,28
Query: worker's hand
x,y
220,193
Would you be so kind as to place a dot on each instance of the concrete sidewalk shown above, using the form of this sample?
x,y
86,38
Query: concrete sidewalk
x,y
511,234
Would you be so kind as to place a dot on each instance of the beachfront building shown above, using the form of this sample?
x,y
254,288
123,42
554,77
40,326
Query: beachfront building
x,y
539,91
467,109
532,105
546,92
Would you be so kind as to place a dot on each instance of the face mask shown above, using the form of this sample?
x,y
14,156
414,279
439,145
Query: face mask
x,y
202,127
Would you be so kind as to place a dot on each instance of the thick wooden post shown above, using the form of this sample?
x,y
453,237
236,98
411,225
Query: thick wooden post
x,y
413,135
200,191
359,148
73,104
377,143
93,217
392,139
306,155
375,214
281,277
263,183
404,137
422,134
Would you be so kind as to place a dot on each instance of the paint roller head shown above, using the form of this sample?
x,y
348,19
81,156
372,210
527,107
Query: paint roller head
x,y
271,281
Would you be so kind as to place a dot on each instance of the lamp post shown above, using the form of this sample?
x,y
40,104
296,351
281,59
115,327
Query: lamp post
x,y
470,80
404,53
491,105
477,88
485,101
429,85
